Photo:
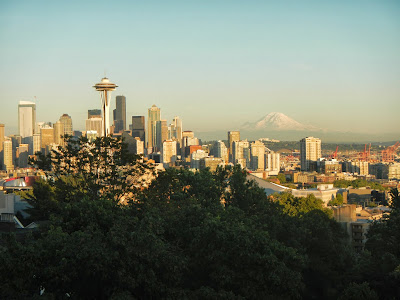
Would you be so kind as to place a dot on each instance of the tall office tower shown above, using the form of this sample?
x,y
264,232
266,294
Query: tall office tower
x,y
310,151
120,114
137,128
94,113
94,124
161,133
176,129
26,118
46,137
37,146
66,120
154,116
222,151
241,153
272,162
168,152
58,133
8,155
105,87
257,152
1,144
233,136
22,154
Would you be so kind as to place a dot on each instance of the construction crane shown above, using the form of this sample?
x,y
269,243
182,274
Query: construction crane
x,y
334,154
388,153
366,154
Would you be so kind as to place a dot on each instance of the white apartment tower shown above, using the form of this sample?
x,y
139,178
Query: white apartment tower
x,y
168,152
310,151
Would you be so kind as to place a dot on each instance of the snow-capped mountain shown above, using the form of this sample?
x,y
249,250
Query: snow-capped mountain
x,y
277,121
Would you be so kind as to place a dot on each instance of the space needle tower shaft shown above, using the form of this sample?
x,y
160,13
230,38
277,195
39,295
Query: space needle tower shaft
x,y
105,87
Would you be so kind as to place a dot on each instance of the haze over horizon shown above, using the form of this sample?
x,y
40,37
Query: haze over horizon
x,y
216,64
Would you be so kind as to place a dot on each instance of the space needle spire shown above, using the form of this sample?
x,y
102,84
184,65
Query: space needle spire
x,y
105,87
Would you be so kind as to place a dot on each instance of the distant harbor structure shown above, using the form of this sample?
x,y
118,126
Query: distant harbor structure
x,y
105,87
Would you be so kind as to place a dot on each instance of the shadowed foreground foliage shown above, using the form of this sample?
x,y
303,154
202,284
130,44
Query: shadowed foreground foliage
x,y
188,235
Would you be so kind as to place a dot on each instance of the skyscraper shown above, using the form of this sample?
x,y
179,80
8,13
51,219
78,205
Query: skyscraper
x,y
46,137
222,151
8,155
233,136
22,154
94,124
138,128
66,120
257,150
26,118
161,133
154,116
176,129
310,151
168,152
58,133
241,153
120,114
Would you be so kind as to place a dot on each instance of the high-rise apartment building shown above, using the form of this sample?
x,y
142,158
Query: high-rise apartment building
x,y
272,162
26,118
120,114
233,136
310,151
8,155
66,120
257,152
168,152
154,116
138,128
161,133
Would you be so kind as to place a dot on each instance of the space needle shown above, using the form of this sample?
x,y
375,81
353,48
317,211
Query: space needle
x,y
105,87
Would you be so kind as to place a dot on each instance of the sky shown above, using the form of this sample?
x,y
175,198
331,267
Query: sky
x,y
216,64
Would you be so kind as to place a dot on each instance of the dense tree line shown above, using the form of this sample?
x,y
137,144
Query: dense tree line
x,y
190,235
358,183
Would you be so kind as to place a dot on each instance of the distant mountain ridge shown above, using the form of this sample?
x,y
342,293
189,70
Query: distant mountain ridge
x,y
278,121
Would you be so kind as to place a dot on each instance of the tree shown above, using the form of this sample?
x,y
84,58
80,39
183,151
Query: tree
x,y
184,235
384,252
337,201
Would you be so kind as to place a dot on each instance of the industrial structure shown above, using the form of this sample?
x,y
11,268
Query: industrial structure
x,y
105,87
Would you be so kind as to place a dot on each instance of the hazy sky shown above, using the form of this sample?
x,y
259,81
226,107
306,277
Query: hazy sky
x,y
216,64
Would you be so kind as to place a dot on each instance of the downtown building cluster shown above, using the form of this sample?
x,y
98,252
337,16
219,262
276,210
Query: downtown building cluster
x,y
167,144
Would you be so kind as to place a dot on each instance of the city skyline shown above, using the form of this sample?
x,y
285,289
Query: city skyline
x,y
216,65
